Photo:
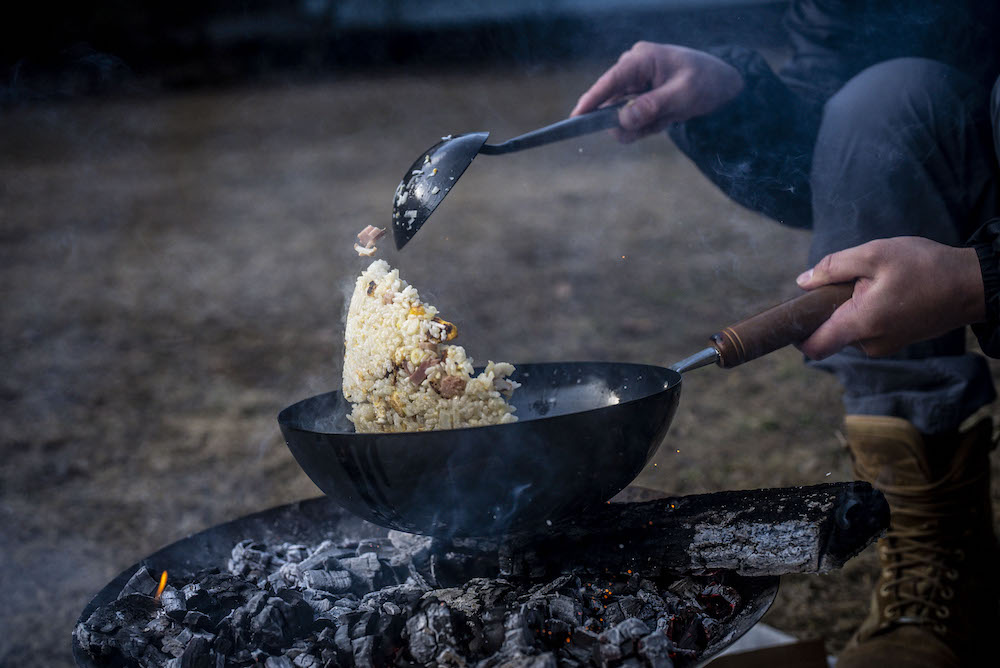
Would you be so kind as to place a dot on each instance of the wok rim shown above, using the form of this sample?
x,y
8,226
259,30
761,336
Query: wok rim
x,y
674,385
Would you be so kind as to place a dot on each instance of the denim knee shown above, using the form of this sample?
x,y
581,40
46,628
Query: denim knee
x,y
885,101
899,152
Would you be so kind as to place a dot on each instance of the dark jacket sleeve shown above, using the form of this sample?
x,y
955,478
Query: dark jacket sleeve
x,y
757,148
986,241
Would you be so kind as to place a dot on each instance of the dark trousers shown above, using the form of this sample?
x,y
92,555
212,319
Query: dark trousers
x,y
905,149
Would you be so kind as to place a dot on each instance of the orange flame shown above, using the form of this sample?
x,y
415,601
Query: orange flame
x,y
163,585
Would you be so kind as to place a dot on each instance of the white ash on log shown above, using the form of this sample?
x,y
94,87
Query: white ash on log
x,y
754,532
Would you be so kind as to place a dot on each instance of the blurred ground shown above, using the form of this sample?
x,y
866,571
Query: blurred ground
x,y
174,272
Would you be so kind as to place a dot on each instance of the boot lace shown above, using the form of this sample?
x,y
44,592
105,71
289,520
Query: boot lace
x,y
921,550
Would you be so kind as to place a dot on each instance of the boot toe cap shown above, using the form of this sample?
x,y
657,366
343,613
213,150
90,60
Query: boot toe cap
x,y
904,646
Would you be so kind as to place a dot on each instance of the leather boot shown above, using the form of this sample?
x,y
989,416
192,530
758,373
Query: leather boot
x,y
937,600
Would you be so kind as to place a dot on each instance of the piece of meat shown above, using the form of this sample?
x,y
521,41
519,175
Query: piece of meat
x,y
420,373
451,386
368,236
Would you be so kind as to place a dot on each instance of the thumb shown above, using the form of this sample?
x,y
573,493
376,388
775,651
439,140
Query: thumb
x,y
845,265
638,113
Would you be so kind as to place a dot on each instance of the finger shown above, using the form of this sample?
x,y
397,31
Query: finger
x,y
627,76
663,104
845,265
844,328
626,136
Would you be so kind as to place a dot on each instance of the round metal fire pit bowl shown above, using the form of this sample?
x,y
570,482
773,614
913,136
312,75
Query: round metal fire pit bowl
x,y
585,430
315,520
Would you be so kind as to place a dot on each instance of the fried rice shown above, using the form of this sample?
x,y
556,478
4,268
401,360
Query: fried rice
x,y
399,372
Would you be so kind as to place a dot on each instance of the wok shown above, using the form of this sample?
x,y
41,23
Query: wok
x,y
585,430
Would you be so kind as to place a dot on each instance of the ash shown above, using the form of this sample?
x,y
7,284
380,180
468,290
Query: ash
x,y
406,601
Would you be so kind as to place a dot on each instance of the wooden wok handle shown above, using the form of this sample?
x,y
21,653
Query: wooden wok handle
x,y
789,322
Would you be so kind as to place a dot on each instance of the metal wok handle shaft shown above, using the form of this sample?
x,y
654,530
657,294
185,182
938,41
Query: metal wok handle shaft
x,y
789,322
601,119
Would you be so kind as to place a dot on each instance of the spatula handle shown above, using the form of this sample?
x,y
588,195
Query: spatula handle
x,y
789,322
604,118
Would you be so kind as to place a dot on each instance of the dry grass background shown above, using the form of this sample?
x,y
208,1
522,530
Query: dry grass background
x,y
174,271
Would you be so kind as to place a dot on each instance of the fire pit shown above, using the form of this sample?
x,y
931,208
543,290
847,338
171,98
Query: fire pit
x,y
308,584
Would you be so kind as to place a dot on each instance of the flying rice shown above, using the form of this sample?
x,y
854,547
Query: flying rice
x,y
400,373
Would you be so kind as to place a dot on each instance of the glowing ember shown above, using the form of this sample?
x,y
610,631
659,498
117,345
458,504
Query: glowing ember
x,y
162,586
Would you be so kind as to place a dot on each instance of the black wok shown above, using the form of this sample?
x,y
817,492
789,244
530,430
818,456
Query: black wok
x,y
585,430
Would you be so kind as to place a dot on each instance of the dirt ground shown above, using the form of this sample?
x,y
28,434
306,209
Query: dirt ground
x,y
174,270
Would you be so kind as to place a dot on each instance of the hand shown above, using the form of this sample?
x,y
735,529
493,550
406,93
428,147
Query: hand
x,y
907,289
675,84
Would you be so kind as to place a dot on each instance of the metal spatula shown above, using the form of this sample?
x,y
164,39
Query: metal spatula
x,y
434,173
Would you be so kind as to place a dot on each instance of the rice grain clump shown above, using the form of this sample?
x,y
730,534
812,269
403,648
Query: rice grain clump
x,y
399,372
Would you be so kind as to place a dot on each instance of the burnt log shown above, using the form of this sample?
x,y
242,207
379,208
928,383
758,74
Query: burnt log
x,y
754,532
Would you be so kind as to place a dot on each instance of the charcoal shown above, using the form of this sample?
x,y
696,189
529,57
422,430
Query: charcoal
x,y
546,660
296,553
566,608
711,627
449,658
364,569
430,630
270,626
197,654
141,582
687,631
632,606
289,574
174,604
224,641
350,602
381,548
719,601
620,640
299,613
349,608
518,636
364,651
342,640
365,624
197,620
278,662
325,556
306,661
129,644
151,656
687,590
580,652
405,546
161,625
175,646
249,558
655,605
332,581
613,614
656,649
126,611
319,601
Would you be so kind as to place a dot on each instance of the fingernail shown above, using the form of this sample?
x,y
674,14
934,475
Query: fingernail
x,y
804,277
